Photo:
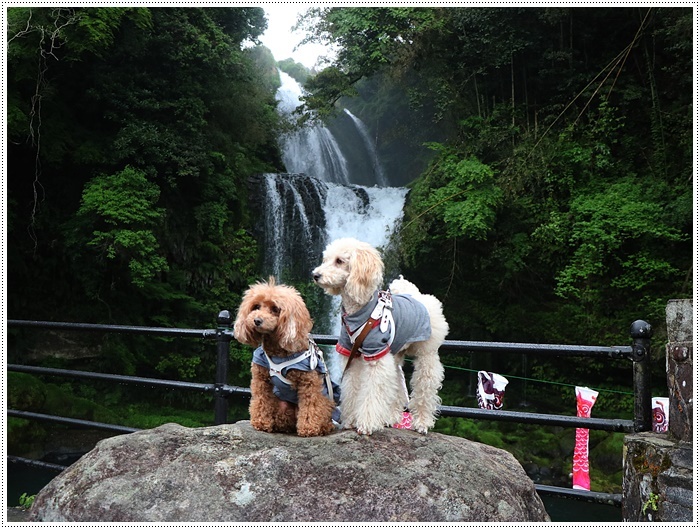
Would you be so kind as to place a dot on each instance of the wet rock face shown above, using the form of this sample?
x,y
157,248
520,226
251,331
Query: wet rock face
x,y
233,473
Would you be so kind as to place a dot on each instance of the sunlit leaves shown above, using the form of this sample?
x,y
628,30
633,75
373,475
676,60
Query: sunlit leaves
x,y
467,200
122,207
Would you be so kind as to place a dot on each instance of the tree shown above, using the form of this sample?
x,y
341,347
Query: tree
x,y
119,212
169,94
553,192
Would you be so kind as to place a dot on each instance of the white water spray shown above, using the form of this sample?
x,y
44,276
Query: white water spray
x,y
311,150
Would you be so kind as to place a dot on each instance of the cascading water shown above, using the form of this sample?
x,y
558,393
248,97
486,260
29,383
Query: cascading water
x,y
311,150
369,144
303,212
294,224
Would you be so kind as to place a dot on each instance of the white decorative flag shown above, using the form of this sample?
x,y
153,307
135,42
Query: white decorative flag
x,y
490,390
659,414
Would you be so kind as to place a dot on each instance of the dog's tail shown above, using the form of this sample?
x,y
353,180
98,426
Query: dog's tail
x,y
403,286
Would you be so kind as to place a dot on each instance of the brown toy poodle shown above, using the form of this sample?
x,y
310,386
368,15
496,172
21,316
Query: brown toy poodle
x,y
291,386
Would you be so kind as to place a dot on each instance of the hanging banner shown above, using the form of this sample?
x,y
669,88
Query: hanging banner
x,y
585,399
659,414
490,390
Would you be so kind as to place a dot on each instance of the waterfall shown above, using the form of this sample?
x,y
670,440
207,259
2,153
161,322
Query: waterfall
x,y
311,150
303,214
314,204
369,144
294,232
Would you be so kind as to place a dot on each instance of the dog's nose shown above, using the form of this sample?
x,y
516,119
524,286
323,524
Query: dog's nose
x,y
258,322
316,276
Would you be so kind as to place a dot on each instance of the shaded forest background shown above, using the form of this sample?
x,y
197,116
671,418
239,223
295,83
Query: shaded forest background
x,y
548,152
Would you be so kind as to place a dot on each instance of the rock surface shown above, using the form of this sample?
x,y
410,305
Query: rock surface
x,y
233,473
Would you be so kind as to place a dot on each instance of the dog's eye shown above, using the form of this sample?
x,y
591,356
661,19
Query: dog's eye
x,y
339,261
256,306
275,309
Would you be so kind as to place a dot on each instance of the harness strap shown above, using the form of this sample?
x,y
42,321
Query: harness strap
x,y
276,369
368,325
316,354
319,353
382,316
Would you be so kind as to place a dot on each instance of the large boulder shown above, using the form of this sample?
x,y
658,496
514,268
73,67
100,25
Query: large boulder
x,y
233,473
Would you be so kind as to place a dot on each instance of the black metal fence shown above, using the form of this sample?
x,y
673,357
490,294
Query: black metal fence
x,y
637,353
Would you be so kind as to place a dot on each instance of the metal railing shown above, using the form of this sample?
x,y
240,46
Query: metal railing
x,y
638,353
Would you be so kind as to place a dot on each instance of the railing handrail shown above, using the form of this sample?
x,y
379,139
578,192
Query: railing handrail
x,y
126,379
125,329
569,421
638,353
326,339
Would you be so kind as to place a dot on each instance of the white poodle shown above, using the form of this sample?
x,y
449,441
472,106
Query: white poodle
x,y
386,327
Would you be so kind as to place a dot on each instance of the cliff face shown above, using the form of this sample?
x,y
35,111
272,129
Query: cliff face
x,y
232,473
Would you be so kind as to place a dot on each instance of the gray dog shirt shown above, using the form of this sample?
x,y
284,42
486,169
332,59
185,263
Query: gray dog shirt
x,y
402,320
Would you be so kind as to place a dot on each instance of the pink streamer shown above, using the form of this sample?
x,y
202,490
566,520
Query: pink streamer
x,y
585,399
406,422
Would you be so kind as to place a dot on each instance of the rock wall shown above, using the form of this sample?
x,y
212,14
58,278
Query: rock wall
x,y
233,473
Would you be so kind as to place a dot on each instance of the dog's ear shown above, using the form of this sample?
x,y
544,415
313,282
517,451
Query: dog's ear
x,y
295,323
366,274
241,331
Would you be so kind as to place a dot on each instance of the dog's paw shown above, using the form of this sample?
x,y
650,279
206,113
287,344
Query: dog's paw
x,y
315,431
263,426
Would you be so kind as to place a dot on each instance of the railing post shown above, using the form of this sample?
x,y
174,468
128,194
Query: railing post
x,y
641,342
224,334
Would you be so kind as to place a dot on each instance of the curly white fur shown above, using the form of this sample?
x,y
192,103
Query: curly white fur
x,y
372,392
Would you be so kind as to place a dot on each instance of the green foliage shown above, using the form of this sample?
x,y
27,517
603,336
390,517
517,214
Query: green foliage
x,y
96,29
295,70
183,366
26,501
652,503
467,199
613,233
124,204
173,114
366,39
144,416
27,392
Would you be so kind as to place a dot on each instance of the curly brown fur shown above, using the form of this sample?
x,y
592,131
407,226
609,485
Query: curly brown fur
x,y
276,317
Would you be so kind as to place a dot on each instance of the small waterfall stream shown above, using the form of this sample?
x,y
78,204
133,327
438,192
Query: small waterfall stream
x,y
379,174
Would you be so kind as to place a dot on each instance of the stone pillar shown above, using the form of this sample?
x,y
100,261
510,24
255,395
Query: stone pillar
x,y
657,481
679,368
